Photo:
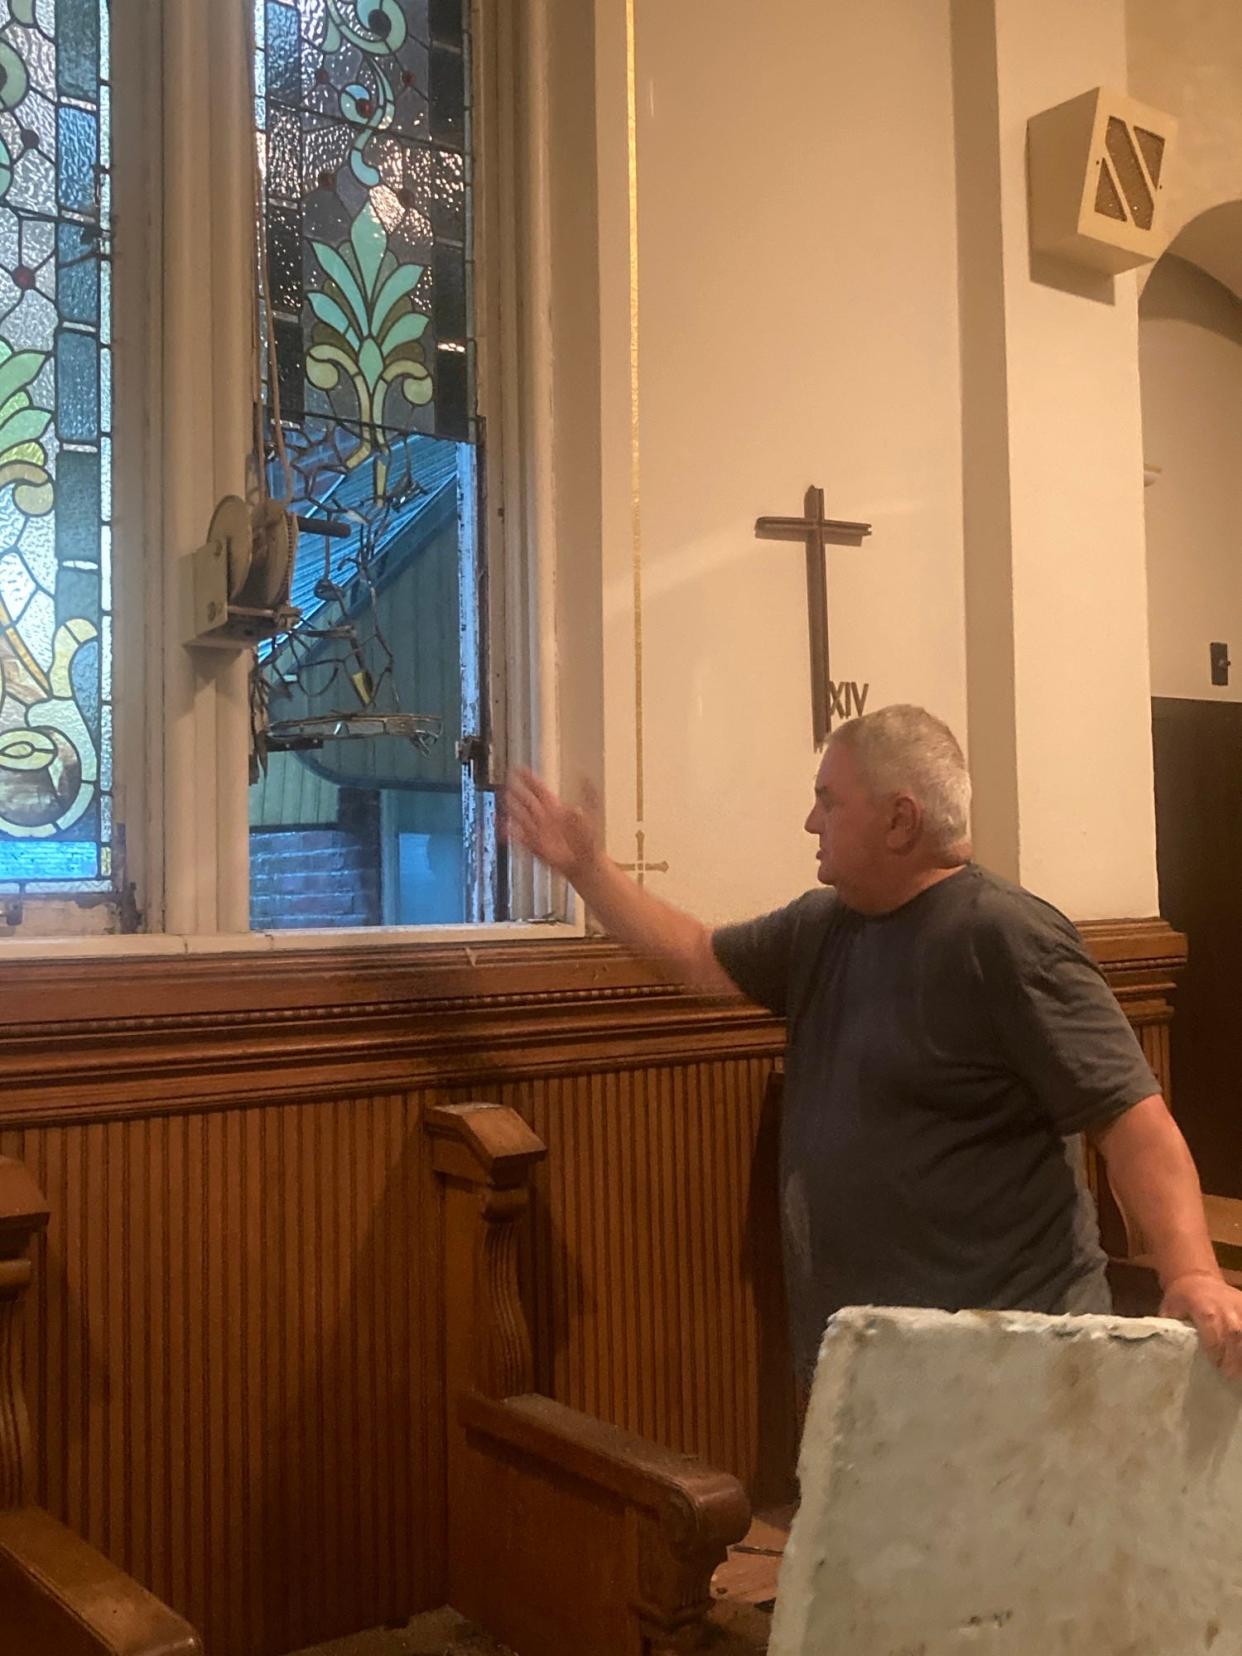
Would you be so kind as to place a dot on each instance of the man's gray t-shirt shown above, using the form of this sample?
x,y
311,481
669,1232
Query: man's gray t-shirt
x,y
938,1058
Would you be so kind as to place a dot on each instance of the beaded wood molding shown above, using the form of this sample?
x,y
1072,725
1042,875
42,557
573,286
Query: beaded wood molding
x,y
88,1039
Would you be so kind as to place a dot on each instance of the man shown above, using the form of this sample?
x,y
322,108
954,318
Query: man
x,y
947,1035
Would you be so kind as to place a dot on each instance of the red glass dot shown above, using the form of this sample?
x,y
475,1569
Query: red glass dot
x,y
405,196
365,108
407,78
326,180
24,277
321,77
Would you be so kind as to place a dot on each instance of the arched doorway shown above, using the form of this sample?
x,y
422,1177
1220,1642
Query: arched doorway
x,y
1190,349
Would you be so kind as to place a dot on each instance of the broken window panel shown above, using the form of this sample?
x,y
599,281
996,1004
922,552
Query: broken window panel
x,y
362,813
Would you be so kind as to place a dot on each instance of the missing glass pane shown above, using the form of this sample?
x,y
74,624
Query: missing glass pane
x,y
362,813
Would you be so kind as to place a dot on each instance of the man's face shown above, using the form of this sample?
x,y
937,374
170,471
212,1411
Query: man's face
x,y
851,827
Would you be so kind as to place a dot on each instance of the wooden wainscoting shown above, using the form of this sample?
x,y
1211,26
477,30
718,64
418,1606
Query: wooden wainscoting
x,y
233,1344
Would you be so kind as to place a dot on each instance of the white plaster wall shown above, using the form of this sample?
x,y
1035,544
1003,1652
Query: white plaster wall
x,y
1081,684
1185,56
1191,353
797,323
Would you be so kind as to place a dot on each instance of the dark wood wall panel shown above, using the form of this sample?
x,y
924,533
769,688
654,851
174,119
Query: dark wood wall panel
x,y
232,1348
1197,746
233,1361
643,1313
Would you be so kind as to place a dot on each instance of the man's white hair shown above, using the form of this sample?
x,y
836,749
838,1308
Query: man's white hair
x,y
904,749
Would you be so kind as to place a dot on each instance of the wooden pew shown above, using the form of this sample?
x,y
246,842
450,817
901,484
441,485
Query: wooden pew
x,y
565,1534
1136,1287
58,1596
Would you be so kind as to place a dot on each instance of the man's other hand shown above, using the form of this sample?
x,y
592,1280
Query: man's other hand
x,y
566,838
1216,1311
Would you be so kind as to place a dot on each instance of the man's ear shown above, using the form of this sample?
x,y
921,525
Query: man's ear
x,y
905,822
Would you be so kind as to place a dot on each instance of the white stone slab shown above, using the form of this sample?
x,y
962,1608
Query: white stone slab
x,y
1001,1482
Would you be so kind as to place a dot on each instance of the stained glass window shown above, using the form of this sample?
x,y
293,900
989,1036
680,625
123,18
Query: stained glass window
x,y
55,447
363,117
362,123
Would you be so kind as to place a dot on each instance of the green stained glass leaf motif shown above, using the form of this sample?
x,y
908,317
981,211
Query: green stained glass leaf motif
x,y
364,126
55,449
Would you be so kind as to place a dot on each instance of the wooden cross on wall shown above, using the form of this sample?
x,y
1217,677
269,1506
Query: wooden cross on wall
x,y
817,533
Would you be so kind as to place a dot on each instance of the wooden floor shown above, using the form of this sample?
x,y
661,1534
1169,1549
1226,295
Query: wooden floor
x,y
744,1585
441,1633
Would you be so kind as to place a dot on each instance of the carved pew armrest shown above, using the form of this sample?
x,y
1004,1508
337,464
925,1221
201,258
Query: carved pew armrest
x,y
59,1597
701,1511
565,1535
589,1538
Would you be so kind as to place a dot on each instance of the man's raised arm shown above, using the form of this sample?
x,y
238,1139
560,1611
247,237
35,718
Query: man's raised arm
x,y
569,841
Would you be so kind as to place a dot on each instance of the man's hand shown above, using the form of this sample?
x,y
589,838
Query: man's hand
x,y
1215,1309
569,841
1154,1180
565,838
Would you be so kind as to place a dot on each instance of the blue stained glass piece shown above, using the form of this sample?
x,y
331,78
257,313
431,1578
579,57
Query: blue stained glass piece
x,y
77,599
77,508
446,22
77,388
84,676
447,94
452,394
77,41
77,137
48,860
284,55
77,275
449,308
